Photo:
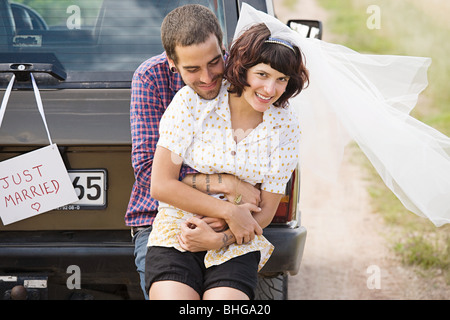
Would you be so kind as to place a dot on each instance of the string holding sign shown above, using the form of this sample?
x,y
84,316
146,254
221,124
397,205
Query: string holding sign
x,y
35,182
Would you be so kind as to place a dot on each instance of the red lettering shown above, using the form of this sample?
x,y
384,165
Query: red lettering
x,y
55,185
17,195
34,192
14,180
26,173
25,194
47,189
37,168
10,198
7,184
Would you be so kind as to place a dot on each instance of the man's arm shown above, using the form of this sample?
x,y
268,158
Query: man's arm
x,y
144,127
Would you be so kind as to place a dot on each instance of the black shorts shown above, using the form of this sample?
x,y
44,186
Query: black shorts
x,y
163,263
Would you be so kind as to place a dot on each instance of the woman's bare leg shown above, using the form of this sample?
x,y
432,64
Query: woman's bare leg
x,y
172,290
224,293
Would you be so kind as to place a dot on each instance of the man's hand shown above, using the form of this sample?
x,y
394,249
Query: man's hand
x,y
216,224
196,235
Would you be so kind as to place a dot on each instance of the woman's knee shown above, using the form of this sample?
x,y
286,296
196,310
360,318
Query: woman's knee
x,y
225,293
172,290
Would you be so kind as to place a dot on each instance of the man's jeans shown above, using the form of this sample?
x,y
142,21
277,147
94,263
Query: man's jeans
x,y
140,240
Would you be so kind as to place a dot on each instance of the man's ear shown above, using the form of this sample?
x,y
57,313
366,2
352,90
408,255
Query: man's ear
x,y
224,50
172,66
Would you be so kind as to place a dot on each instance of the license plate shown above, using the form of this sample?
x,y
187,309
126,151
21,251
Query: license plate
x,y
90,186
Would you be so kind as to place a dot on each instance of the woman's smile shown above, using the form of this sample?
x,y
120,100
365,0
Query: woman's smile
x,y
262,97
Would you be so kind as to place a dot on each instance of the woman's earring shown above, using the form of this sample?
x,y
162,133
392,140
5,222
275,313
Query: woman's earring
x,y
173,69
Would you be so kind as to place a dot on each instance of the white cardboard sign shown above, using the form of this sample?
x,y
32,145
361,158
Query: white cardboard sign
x,y
34,183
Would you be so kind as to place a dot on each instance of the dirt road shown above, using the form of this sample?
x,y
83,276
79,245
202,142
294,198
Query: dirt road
x,y
347,255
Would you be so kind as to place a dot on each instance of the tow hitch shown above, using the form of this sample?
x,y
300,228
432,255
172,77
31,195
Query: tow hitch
x,y
23,287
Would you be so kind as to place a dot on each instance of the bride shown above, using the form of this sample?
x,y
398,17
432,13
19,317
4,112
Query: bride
x,y
367,99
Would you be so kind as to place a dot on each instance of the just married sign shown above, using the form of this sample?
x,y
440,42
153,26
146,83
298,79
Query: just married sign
x,y
35,182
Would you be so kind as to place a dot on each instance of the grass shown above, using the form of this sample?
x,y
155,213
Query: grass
x,y
416,28
415,240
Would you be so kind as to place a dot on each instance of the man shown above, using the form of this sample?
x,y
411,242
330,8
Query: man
x,y
194,56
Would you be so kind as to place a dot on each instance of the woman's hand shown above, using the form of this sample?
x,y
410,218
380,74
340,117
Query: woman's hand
x,y
241,222
250,193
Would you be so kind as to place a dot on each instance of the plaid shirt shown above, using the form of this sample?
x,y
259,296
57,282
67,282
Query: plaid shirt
x,y
152,90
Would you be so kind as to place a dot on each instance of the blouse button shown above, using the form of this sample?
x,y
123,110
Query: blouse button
x,y
233,153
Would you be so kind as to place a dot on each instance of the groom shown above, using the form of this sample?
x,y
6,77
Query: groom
x,y
194,56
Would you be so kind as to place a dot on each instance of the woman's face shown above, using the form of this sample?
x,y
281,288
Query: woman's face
x,y
266,85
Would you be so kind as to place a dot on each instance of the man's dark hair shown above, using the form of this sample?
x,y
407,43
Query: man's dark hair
x,y
188,25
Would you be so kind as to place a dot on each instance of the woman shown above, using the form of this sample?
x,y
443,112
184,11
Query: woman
x,y
248,131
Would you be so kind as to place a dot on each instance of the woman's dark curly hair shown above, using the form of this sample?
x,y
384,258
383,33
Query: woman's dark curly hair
x,y
251,49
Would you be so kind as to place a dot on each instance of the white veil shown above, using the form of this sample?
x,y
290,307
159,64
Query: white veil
x,y
367,98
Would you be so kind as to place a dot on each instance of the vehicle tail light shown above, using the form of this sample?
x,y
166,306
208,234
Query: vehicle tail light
x,y
287,208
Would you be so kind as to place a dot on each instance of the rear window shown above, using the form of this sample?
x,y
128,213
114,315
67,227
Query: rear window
x,y
84,41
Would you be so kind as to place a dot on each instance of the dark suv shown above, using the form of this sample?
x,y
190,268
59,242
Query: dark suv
x,y
83,54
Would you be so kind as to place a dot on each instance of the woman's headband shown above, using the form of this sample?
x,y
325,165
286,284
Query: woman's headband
x,y
280,41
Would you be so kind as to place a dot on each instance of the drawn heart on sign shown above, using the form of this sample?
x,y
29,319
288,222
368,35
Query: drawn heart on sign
x,y
36,206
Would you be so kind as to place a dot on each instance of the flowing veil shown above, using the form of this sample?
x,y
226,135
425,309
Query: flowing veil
x,y
367,99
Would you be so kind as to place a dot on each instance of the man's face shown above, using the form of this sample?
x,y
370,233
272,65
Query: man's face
x,y
201,67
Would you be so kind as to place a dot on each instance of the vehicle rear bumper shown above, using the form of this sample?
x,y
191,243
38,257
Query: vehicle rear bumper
x,y
106,258
289,244
104,266
46,253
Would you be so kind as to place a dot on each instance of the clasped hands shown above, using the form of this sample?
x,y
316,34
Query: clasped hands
x,y
205,233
